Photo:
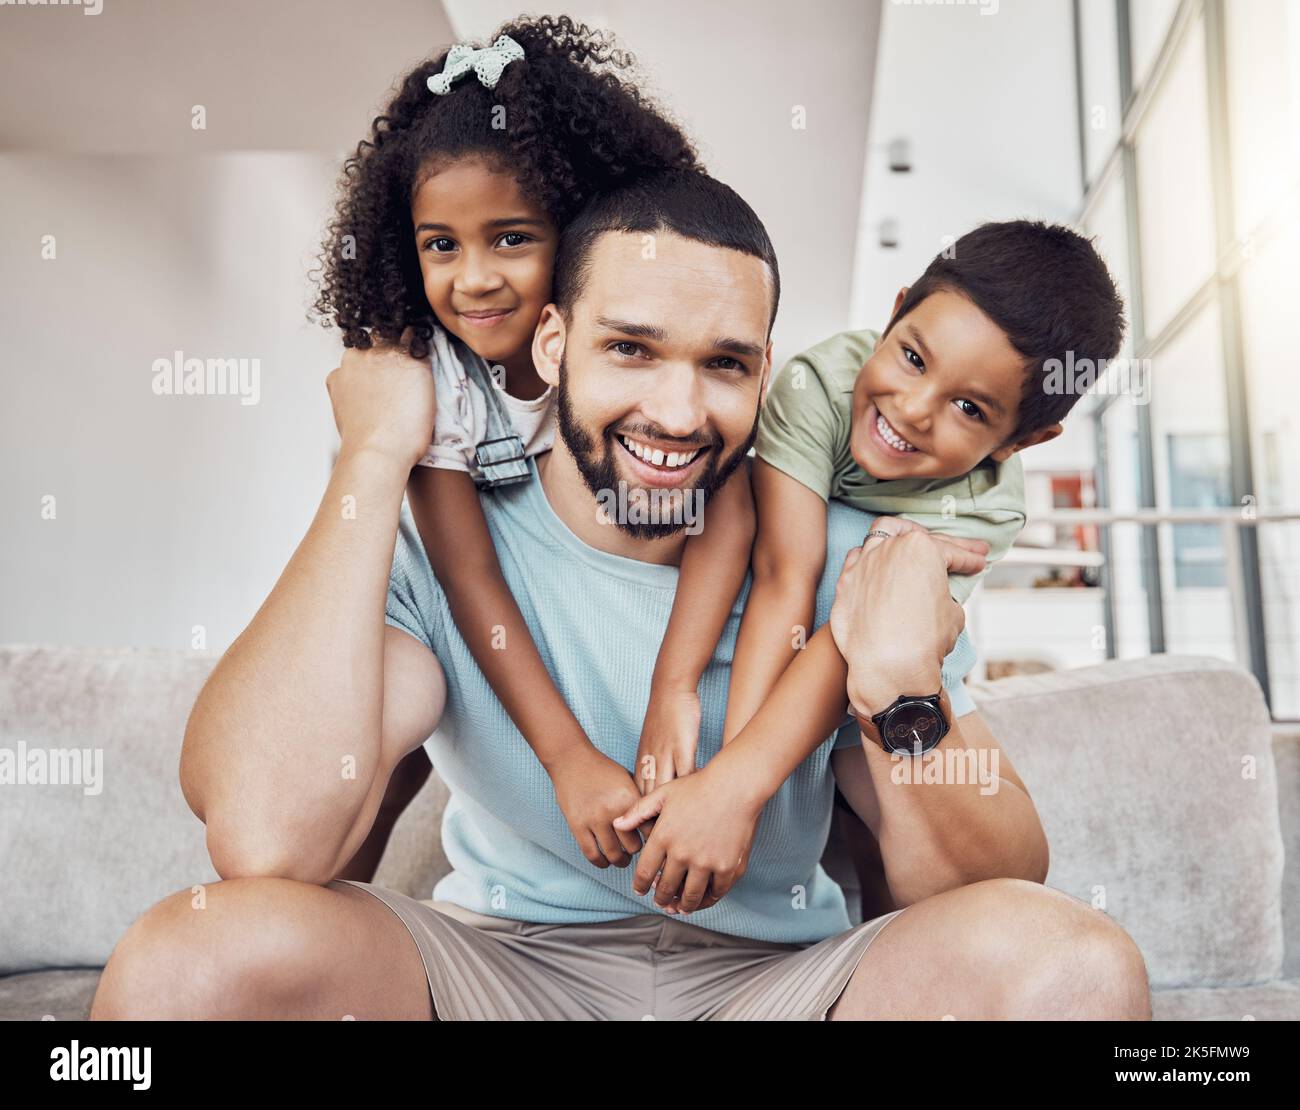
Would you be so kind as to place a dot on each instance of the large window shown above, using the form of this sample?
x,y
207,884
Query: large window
x,y
1175,201
1193,194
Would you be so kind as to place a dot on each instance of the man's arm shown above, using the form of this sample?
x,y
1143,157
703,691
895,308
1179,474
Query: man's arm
x,y
407,781
935,836
292,741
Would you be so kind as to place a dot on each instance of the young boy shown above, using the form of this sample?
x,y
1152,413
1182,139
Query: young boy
x,y
923,422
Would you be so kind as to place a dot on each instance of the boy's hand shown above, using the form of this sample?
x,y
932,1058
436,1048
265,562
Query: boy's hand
x,y
704,826
383,400
898,583
668,738
592,790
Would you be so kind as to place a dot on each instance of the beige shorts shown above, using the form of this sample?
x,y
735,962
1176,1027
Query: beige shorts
x,y
650,966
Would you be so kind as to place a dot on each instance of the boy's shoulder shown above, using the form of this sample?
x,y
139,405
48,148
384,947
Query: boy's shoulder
x,y
838,358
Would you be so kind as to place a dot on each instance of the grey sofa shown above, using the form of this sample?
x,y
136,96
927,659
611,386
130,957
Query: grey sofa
x,y
1158,781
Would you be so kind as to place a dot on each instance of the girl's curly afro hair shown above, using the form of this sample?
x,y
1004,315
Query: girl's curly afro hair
x,y
572,129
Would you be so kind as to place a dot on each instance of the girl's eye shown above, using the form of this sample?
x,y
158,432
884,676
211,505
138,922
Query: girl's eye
x,y
519,237
446,245
913,358
973,410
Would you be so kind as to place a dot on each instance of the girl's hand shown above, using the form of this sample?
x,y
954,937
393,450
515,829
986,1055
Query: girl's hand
x,y
699,847
668,738
592,790
383,401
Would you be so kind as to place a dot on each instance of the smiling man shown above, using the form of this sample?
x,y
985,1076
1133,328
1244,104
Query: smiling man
x,y
659,342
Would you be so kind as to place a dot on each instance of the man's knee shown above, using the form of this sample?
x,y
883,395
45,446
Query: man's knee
x,y
208,951
1062,957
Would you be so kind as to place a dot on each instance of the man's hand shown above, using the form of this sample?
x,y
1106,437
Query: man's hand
x,y
700,842
592,790
383,401
893,618
669,737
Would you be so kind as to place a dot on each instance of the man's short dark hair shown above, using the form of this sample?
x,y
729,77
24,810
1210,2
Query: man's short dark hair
x,y
1047,288
688,203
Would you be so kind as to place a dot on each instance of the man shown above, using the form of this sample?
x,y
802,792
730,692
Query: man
x,y
292,745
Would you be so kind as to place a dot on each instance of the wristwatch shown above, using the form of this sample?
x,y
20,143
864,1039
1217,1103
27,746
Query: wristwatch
x,y
912,725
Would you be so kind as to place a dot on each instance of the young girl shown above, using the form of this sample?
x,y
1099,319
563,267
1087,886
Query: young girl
x,y
447,226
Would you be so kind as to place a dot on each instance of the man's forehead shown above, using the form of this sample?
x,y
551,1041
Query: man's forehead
x,y
686,286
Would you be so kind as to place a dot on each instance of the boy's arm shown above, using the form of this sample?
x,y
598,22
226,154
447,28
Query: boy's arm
x,y
789,555
447,512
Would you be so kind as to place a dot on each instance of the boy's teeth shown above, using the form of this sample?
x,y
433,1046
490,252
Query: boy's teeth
x,y
655,457
890,436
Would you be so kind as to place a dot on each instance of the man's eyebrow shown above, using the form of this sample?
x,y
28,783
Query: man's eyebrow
x,y
627,327
742,348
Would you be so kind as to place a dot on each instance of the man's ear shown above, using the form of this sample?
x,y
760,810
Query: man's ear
x,y
766,379
1031,440
548,345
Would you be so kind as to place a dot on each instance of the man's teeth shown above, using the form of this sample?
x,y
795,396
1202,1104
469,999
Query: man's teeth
x,y
890,436
655,457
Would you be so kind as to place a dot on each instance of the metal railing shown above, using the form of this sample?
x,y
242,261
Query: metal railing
x,y
1229,521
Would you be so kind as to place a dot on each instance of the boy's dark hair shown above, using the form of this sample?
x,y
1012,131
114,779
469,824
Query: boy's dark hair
x,y
560,120
1047,288
688,203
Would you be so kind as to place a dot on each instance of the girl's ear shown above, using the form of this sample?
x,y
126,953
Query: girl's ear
x,y
1032,440
548,345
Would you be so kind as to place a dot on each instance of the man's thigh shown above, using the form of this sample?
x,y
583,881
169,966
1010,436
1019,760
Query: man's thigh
x,y
265,948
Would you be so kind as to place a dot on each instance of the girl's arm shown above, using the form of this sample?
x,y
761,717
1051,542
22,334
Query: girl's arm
x,y
713,570
591,788
789,555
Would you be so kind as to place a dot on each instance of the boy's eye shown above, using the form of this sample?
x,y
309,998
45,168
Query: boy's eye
x,y
913,358
970,408
440,245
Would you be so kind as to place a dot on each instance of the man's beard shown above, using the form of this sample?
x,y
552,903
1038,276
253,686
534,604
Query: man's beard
x,y
600,474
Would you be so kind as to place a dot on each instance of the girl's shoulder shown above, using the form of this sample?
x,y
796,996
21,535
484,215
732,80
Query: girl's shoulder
x,y
450,352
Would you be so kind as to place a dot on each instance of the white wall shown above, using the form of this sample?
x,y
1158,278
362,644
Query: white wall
x,y
987,104
170,512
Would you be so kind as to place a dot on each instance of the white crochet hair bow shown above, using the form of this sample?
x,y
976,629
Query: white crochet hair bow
x,y
487,63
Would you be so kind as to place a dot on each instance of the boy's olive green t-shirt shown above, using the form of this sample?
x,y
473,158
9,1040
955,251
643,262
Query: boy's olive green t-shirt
x,y
803,431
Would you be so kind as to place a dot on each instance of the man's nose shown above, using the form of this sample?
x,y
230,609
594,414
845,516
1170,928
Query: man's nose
x,y
676,402
477,275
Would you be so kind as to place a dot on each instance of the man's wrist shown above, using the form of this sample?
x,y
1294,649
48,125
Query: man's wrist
x,y
878,690
385,463
870,731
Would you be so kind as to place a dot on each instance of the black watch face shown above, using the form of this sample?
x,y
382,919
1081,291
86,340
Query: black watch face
x,y
913,727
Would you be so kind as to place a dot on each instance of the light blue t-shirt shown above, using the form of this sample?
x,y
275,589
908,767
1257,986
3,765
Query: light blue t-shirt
x,y
598,620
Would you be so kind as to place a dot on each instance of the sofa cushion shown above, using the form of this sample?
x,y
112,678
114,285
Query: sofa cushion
x,y
1155,782
63,994
79,867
